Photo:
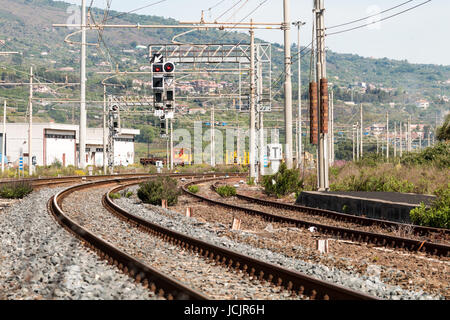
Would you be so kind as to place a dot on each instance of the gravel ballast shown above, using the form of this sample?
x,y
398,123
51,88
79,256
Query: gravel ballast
x,y
41,260
213,233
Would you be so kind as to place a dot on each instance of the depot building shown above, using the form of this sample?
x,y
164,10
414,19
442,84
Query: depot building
x,y
53,142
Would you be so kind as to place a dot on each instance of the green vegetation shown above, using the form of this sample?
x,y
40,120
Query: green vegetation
x,y
162,188
283,182
226,191
115,195
438,214
366,181
251,181
438,156
15,190
193,189
443,133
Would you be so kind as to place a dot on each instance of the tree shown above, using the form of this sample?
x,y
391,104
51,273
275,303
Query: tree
x,y
443,133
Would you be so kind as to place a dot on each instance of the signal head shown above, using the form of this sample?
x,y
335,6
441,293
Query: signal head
x,y
169,67
158,67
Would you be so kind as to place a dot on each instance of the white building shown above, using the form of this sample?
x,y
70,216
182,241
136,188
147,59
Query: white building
x,y
424,104
59,142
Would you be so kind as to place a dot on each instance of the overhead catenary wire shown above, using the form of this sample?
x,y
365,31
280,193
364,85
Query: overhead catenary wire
x,y
374,15
383,19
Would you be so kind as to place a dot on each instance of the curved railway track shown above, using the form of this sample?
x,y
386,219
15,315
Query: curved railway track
x,y
292,281
340,232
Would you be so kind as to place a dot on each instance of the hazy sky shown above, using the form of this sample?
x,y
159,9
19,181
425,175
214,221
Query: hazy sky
x,y
420,35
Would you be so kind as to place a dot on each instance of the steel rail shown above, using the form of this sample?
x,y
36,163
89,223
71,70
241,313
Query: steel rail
x,y
291,280
421,230
344,233
151,278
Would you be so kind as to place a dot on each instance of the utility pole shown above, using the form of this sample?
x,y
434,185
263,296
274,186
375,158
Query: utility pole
x,y
171,145
361,131
409,135
331,134
4,137
30,127
261,116
213,158
83,117
323,162
387,136
253,172
378,144
299,24
358,149
353,142
395,140
401,140
287,84
105,135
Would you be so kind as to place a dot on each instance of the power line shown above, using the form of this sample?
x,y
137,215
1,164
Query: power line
x,y
344,24
368,24
228,10
132,11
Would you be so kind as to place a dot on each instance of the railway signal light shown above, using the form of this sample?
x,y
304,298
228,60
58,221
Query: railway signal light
x,y
158,68
169,67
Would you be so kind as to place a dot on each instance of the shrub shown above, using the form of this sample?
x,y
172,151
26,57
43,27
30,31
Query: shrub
x,y
251,181
15,190
438,155
437,215
226,191
115,196
193,189
162,188
284,182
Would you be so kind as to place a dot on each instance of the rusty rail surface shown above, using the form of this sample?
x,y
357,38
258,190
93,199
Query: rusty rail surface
x,y
344,233
291,280
151,278
364,221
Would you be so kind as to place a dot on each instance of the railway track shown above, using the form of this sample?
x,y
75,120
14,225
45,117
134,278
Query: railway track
x,y
339,232
292,281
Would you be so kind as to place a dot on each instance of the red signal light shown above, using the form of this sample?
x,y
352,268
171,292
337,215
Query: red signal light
x,y
157,68
169,67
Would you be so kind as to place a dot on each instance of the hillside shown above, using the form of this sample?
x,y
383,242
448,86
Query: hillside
x,y
26,25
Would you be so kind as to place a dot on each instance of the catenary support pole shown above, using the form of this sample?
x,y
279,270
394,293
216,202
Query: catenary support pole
x,y
361,133
171,145
30,126
287,85
387,136
4,137
323,162
83,116
299,24
253,171
105,135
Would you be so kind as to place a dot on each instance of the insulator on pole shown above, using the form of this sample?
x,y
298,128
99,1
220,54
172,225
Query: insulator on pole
x,y
313,113
324,116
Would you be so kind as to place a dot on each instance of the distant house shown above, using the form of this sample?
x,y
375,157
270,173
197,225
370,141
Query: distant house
x,y
424,104
66,69
196,110
376,129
